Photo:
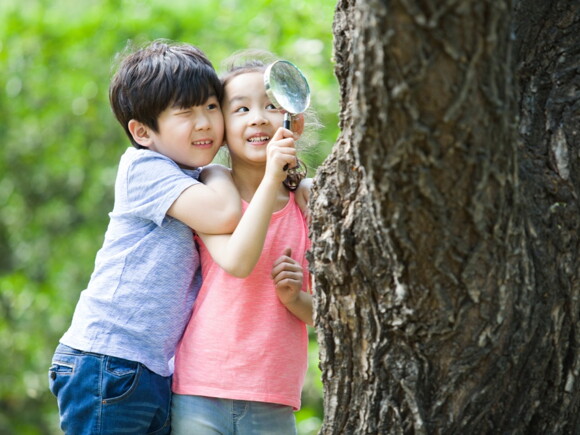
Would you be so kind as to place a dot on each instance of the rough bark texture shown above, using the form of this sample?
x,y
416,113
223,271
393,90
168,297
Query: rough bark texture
x,y
445,221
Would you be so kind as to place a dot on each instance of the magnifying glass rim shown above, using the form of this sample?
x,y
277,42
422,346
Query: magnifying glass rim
x,y
270,92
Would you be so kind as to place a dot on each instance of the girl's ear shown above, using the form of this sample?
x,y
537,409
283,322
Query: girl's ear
x,y
140,133
298,124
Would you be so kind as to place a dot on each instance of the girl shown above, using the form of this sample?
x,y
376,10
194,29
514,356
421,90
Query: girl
x,y
241,363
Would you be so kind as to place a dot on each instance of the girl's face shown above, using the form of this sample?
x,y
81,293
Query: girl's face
x,y
250,118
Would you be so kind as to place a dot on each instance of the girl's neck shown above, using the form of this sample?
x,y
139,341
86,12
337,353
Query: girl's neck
x,y
247,181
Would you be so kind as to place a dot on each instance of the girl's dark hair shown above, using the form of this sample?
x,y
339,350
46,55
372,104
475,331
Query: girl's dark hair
x,y
249,61
159,75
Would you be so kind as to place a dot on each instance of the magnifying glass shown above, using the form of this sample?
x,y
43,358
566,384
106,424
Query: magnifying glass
x,y
287,89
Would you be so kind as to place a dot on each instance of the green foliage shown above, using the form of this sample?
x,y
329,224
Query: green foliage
x,y
61,144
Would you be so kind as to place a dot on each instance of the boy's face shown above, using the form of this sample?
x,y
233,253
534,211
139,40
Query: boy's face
x,y
250,117
191,136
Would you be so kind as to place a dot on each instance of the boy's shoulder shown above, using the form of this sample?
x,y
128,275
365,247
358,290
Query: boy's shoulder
x,y
133,154
145,169
152,161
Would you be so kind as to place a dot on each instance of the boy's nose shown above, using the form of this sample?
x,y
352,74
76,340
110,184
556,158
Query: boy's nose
x,y
202,122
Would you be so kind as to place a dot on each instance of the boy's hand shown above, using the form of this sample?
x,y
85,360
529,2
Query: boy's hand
x,y
287,275
281,152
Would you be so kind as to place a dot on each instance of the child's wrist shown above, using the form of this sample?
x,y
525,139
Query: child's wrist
x,y
271,182
293,302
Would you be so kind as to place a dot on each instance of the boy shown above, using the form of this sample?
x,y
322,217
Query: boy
x,y
111,372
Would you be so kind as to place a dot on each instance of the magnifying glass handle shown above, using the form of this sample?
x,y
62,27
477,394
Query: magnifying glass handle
x,y
286,125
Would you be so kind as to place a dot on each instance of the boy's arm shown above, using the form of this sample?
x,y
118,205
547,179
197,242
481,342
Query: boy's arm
x,y
288,277
213,207
238,253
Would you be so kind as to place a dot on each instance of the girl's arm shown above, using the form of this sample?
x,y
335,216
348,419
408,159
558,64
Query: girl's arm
x,y
303,195
288,278
238,253
213,207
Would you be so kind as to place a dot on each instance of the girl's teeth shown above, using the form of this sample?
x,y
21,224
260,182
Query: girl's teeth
x,y
259,139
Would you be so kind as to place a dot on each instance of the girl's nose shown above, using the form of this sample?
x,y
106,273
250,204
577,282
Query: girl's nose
x,y
258,118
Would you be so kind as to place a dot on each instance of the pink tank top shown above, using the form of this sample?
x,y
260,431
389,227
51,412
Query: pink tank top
x,y
241,342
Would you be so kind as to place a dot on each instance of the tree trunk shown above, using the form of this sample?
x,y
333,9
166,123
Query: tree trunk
x,y
445,221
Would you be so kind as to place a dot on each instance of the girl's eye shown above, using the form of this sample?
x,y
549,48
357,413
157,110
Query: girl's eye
x,y
241,109
213,106
271,107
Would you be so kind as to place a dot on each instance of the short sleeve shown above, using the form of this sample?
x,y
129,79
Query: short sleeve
x,y
153,183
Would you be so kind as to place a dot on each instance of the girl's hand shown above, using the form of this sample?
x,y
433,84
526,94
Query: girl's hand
x,y
287,275
281,152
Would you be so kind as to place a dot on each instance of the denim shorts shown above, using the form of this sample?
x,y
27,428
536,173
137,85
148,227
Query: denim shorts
x,y
211,416
100,394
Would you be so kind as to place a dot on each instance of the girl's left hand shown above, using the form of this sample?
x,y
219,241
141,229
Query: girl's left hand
x,y
288,276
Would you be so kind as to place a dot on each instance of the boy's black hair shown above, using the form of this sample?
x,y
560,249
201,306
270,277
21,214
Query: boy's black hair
x,y
157,76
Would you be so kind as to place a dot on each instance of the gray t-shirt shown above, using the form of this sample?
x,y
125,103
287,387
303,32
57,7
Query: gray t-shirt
x,y
146,278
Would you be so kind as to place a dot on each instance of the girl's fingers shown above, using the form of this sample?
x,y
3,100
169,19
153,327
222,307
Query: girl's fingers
x,y
282,133
285,263
282,144
291,152
281,153
289,283
286,277
284,258
282,269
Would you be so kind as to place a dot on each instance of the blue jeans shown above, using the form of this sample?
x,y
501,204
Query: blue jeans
x,y
100,394
197,415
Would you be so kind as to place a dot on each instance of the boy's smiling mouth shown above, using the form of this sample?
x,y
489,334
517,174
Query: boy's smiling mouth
x,y
204,143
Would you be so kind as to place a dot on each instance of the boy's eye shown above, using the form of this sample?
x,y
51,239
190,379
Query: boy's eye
x,y
183,112
241,109
271,107
213,106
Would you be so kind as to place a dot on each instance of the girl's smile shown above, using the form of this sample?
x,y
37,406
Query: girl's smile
x,y
259,139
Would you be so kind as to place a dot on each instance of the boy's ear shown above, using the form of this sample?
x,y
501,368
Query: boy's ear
x,y
140,133
298,124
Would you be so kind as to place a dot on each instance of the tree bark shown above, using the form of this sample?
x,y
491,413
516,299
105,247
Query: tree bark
x,y
445,221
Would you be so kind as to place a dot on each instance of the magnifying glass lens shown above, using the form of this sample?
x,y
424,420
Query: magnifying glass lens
x,y
287,87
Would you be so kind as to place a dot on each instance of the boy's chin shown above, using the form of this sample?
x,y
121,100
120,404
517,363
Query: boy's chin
x,y
193,165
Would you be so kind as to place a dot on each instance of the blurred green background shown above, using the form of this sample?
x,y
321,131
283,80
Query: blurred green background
x,y
60,147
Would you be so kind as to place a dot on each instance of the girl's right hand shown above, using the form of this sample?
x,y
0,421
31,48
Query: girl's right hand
x,y
281,151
